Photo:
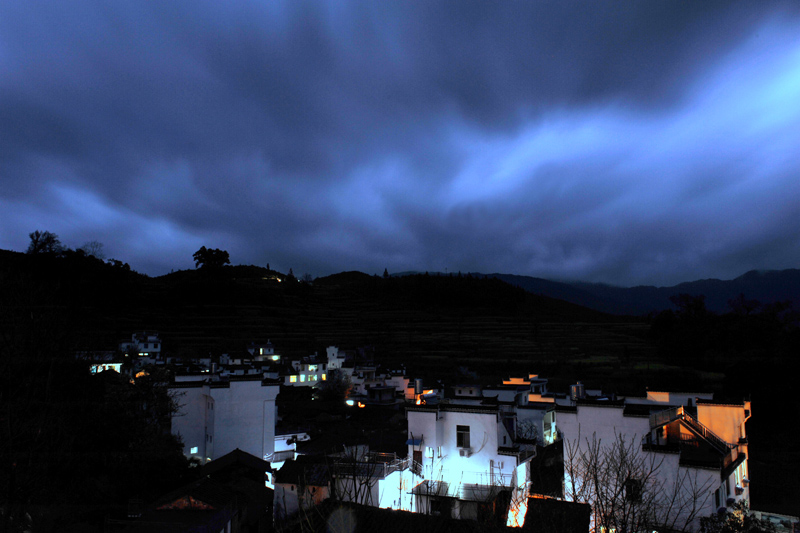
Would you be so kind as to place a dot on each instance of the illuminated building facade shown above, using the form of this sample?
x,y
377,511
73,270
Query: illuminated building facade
x,y
468,460
217,417
690,450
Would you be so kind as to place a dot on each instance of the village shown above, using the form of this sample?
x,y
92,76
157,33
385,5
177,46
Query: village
x,y
340,428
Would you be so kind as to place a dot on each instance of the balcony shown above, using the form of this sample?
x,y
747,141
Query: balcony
x,y
479,492
663,418
695,452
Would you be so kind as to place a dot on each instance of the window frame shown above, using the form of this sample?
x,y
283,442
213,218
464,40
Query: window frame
x,y
462,436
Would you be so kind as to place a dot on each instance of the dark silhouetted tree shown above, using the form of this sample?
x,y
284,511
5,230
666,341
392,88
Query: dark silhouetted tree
x,y
336,388
116,263
44,242
625,487
93,248
690,307
211,258
385,273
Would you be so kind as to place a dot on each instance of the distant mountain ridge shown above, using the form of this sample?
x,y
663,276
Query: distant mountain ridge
x,y
766,286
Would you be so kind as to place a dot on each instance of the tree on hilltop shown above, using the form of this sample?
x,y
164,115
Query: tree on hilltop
x,y
44,242
93,248
211,258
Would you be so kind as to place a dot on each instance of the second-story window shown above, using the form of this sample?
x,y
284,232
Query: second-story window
x,y
462,436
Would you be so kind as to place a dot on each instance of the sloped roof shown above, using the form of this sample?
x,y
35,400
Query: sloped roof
x,y
202,495
305,471
236,458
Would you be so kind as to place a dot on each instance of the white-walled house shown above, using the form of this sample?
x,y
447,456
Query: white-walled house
x,y
101,361
336,357
301,483
467,458
263,352
376,479
306,374
217,417
689,461
398,382
285,448
144,343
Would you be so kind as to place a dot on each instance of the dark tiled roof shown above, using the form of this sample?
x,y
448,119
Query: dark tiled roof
x,y
236,458
701,401
305,471
203,491
637,410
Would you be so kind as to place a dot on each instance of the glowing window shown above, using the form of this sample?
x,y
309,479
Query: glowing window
x,y
292,379
462,436
276,357
261,351
324,377
193,449
312,368
302,377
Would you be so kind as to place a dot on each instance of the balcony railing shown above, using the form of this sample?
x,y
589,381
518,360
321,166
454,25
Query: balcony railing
x,y
487,479
378,465
665,417
694,451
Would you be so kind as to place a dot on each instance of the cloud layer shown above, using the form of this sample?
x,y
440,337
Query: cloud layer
x,y
642,142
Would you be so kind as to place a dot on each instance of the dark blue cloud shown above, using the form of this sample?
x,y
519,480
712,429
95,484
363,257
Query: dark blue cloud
x,y
641,142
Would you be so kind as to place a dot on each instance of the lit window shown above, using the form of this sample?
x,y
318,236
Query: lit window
x,y
312,377
276,357
312,368
302,377
261,351
292,379
462,436
193,449
324,377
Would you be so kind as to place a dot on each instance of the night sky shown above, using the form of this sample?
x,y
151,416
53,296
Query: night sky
x,y
649,142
